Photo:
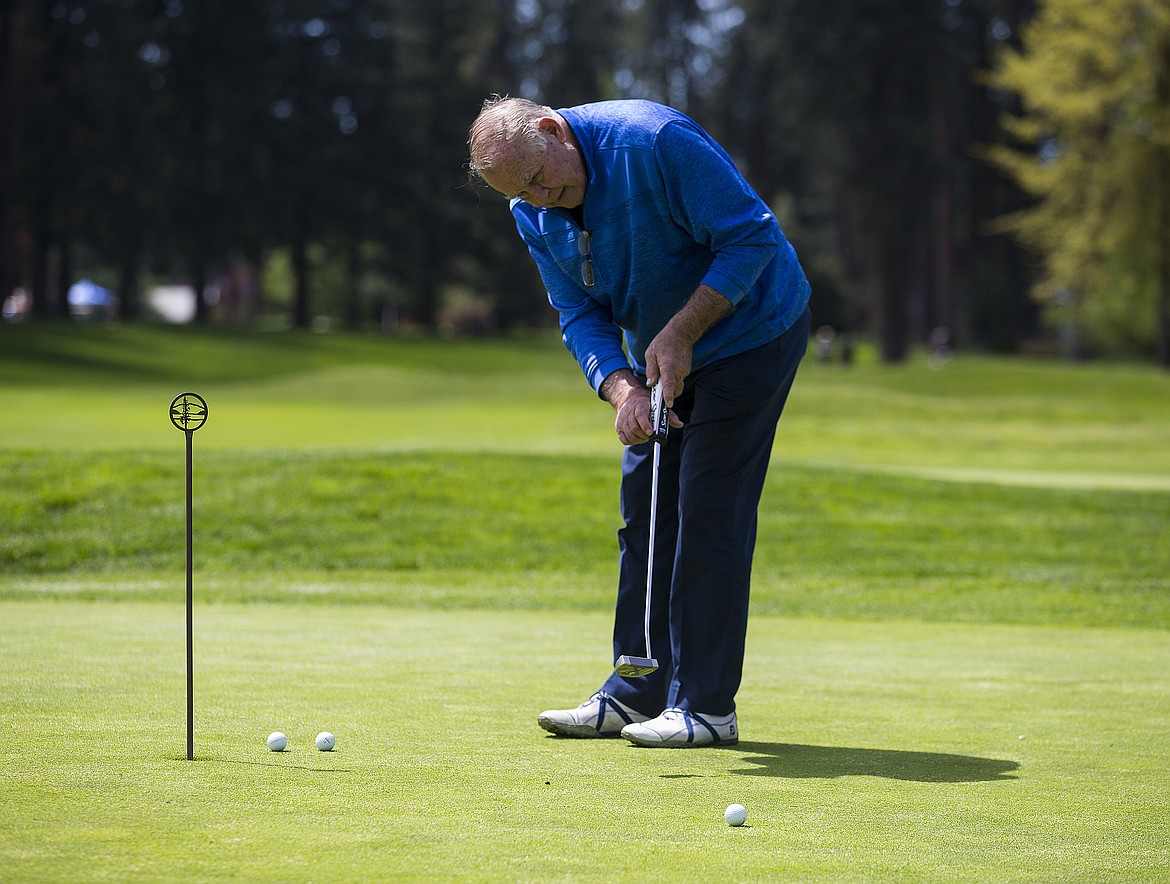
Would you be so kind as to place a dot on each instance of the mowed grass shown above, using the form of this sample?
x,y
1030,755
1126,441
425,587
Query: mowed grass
x,y
873,752
958,664
1011,421
538,531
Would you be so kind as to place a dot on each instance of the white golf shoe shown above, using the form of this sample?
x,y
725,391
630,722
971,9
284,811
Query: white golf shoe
x,y
679,729
599,716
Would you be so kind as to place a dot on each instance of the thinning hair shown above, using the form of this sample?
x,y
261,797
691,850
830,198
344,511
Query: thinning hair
x,y
504,122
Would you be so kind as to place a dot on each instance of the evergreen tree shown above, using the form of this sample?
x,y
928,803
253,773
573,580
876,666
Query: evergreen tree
x,y
855,122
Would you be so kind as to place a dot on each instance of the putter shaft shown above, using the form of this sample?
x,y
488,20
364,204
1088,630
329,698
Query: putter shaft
x,y
629,666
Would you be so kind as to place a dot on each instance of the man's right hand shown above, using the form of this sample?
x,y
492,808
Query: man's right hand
x,y
631,401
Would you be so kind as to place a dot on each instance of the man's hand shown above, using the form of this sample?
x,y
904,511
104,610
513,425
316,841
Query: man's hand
x,y
631,401
668,358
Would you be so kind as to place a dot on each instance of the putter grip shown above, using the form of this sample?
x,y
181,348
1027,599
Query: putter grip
x,y
658,414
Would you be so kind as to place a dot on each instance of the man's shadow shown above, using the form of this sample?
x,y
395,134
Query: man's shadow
x,y
798,762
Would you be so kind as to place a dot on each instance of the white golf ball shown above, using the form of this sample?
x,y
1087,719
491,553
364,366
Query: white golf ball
x,y
736,815
277,741
325,741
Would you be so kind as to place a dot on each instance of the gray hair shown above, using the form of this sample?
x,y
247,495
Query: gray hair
x,y
504,121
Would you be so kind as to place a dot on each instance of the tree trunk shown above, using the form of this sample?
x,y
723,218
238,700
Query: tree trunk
x,y
1164,301
128,288
8,273
890,300
1163,292
42,238
64,275
942,238
199,284
300,264
353,313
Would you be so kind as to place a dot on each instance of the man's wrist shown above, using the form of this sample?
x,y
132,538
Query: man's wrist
x,y
704,309
617,386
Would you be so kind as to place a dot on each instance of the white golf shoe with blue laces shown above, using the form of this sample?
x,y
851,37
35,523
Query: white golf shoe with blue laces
x,y
599,716
680,729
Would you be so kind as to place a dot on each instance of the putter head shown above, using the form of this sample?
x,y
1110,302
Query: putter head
x,y
634,667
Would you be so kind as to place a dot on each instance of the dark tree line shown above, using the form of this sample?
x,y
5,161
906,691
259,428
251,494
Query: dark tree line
x,y
150,140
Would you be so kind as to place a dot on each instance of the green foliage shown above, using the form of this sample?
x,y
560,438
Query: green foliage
x,y
1094,136
276,278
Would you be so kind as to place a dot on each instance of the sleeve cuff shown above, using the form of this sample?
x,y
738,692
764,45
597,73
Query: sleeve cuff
x,y
605,369
727,286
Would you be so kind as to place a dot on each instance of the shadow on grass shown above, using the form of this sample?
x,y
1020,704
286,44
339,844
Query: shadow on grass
x,y
828,762
238,761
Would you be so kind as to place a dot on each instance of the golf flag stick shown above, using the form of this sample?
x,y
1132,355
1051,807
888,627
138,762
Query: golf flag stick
x,y
626,665
189,413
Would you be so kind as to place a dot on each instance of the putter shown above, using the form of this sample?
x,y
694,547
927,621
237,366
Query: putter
x,y
626,665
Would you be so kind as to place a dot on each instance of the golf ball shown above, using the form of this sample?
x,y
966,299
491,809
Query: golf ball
x,y
736,815
277,741
325,741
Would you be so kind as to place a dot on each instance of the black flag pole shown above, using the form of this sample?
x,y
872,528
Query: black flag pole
x,y
189,413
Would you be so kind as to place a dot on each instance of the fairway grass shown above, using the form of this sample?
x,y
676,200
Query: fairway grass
x,y
1031,422
894,751
447,529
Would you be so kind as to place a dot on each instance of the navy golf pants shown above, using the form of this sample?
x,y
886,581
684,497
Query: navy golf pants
x,y
710,478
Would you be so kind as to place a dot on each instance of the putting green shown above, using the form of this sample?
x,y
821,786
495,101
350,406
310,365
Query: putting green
x,y
870,751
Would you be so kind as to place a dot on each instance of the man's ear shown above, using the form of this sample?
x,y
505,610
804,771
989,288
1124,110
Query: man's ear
x,y
551,126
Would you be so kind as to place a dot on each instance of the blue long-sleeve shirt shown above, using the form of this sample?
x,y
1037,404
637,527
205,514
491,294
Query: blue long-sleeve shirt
x,y
666,211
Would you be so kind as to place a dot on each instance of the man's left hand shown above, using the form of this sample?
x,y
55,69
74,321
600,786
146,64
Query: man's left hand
x,y
668,358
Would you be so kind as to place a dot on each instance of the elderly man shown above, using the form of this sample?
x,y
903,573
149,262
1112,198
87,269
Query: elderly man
x,y
665,266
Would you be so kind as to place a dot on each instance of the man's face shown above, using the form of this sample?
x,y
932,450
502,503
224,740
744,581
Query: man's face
x,y
552,179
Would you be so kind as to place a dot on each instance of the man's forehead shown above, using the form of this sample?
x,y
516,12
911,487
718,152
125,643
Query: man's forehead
x,y
513,169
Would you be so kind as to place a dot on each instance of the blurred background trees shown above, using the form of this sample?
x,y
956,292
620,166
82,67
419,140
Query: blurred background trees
x,y
1093,149
994,169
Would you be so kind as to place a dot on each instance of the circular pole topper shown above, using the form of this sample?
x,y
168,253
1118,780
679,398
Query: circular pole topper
x,y
188,412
